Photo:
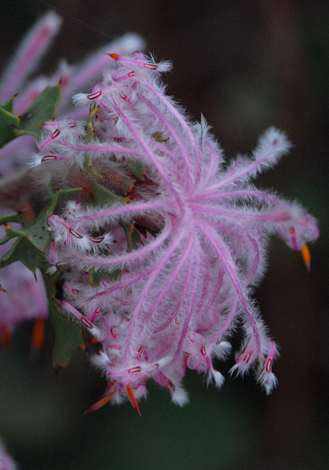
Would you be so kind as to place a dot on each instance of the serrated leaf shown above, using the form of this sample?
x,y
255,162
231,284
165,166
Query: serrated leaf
x,y
42,109
133,237
103,196
9,235
22,250
13,217
9,105
35,235
136,238
137,168
67,337
8,125
56,195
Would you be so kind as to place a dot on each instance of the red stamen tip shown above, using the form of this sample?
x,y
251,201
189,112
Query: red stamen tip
x,y
38,336
132,399
5,336
101,402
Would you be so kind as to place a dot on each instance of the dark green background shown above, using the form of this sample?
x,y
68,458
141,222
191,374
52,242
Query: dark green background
x,y
245,65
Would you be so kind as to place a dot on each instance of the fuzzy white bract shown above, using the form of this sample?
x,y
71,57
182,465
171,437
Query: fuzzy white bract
x,y
179,294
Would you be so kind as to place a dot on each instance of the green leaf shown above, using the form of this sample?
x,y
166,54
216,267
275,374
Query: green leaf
x,y
103,196
113,275
88,164
56,195
90,123
42,109
133,237
13,217
9,105
35,234
22,250
137,168
33,239
67,337
9,123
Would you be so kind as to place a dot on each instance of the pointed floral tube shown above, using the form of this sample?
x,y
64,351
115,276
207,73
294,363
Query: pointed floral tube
x,y
171,299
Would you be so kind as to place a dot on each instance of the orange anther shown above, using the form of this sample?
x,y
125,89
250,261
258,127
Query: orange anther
x,y
306,255
114,56
38,335
5,336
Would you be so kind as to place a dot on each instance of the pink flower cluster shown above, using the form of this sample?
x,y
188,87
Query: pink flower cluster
x,y
73,78
25,298
175,299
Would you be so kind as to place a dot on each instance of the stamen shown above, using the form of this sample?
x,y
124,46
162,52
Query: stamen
x,y
149,66
133,370
125,97
48,157
268,366
142,350
86,323
95,314
113,333
75,234
93,96
294,239
114,56
96,239
55,134
247,357
206,357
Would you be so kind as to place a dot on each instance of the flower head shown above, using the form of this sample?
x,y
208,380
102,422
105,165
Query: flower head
x,y
176,237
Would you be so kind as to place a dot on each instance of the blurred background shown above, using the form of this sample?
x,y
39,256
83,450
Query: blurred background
x,y
245,65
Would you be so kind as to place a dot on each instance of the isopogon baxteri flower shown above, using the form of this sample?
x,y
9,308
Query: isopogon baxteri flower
x,y
177,245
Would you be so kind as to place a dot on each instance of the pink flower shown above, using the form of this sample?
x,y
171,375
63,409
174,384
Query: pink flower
x,y
22,297
175,299
6,461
